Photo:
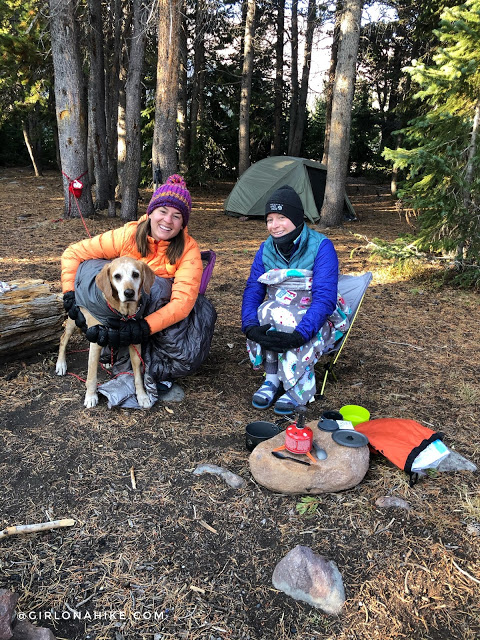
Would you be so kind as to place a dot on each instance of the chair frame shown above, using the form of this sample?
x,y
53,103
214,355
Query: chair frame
x,y
335,354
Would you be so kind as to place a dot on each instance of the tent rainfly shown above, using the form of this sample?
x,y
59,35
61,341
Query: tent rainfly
x,y
260,180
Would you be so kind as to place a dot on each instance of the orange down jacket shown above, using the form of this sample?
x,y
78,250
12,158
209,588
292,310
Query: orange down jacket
x,y
187,272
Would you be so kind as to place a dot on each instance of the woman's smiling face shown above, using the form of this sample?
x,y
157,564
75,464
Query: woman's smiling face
x,y
279,225
165,223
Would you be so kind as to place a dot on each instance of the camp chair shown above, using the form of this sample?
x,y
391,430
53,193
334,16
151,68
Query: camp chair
x,y
352,289
208,259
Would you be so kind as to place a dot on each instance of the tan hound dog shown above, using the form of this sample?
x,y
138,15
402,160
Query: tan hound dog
x,y
121,282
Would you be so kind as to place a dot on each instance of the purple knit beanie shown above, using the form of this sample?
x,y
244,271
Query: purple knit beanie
x,y
173,193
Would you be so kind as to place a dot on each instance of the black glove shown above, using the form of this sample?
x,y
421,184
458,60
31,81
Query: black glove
x,y
68,300
128,332
98,333
256,333
261,335
279,341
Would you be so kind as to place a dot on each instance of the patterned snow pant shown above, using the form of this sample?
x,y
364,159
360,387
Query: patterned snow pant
x,y
289,297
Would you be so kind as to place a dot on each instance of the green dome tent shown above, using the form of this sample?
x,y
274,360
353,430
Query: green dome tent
x,y
253,188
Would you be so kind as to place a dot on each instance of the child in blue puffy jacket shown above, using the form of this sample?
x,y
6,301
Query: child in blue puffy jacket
x,y
302,318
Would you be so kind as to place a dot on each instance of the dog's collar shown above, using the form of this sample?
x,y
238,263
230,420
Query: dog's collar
x,y
122,316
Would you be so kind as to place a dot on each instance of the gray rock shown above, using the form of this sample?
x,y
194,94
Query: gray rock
x,y
174,394
455,462
343,468
25,630
229,477
8,600
306,576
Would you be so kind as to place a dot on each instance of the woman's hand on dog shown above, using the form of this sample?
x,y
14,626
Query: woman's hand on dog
x,y
128,332
68,300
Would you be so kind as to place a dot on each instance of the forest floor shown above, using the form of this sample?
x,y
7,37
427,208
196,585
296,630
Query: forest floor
x,y
187,557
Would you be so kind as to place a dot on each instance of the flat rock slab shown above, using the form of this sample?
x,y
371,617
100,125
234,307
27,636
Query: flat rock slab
x,y
343,468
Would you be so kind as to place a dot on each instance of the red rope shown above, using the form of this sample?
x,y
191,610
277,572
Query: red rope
x,y
122,373
70,193
116,312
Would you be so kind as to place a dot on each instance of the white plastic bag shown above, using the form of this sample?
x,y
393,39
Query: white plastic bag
x,y
430,457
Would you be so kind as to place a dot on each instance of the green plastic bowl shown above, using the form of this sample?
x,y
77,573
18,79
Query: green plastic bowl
x,y
355,414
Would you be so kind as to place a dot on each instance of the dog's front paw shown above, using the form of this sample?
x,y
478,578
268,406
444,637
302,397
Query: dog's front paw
x,y
61,368
144,401
91,400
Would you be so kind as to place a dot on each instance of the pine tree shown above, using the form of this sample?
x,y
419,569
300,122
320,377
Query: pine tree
x,y
441,153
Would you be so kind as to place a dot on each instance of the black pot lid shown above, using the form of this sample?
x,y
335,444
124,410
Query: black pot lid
x,y
325,424
349,438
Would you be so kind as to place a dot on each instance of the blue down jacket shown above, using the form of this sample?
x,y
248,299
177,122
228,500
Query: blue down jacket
x,y
323,263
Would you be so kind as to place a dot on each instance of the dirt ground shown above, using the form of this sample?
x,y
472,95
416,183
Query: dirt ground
x,y
185,556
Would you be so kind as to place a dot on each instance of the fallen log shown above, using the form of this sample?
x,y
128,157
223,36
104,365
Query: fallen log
x,y
31,319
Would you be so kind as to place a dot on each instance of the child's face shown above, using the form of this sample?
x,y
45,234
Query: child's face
x,y
279,225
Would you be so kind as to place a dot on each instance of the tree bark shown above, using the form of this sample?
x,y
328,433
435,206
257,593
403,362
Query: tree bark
x,y
246,91
133,99
69,103
278,87
293,78
164,153
467,196
115,29
198,80
31,319
121,119
332,210
182,109
331,81
97,104
296,147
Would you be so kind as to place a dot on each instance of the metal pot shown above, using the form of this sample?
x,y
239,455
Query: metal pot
x,y
257,432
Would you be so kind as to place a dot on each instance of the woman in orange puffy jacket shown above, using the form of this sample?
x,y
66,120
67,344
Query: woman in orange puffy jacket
x,y
161,240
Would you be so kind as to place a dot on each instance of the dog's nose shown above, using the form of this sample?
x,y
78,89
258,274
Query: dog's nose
x,y
129,293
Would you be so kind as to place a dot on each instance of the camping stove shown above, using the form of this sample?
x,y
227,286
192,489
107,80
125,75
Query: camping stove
x,y
298,437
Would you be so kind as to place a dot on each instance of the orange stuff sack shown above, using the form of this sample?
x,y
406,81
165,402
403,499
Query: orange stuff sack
x,y
399,440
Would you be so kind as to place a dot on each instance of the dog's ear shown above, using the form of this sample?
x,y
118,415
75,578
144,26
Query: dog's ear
x,y
148,277
104,282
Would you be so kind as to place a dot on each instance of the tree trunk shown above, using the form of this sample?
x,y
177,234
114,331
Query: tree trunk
x,y
278,88
293,77
467,196
133,99
332,209
90,134
331,81
182,109
97,104
198,80
297,141
30,149
115,27
121,129
51,112
164,152
246,91
31,319
69,102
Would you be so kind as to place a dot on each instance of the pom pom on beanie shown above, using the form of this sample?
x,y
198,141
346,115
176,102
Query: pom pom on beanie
x,y
173,193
